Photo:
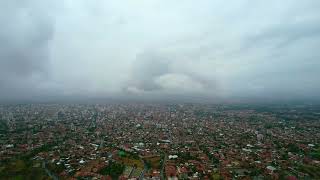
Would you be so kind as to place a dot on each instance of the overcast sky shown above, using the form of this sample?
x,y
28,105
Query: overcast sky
x,y
159,49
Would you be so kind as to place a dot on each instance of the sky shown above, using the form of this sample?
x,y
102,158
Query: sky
x,y
158,50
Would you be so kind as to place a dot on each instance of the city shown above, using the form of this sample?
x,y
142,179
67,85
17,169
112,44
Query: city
x,y
159,90
159,141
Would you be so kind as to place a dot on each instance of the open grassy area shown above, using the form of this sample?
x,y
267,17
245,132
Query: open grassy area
x,y
154,162
136,172
20,169
132,162
127,170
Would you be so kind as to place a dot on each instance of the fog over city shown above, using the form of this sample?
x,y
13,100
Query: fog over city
x,y
159,50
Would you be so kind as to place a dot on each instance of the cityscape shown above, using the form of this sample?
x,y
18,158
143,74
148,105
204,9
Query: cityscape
x,y
159,90
159,141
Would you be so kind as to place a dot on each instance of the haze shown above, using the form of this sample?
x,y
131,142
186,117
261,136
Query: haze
x,y
159,49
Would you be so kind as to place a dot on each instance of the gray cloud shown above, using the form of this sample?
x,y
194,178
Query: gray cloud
x,y
159,50
146,68
24,41
164,74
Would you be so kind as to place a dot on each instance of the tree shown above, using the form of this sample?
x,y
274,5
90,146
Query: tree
x,y
113,169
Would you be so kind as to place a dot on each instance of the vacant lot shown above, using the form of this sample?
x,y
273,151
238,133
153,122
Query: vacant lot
x,y
154,161
132,162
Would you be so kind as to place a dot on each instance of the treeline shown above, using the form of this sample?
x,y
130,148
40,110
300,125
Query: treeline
x,y
22,166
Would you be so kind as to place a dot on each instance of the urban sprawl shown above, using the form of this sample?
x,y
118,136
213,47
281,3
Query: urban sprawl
x,y
157,141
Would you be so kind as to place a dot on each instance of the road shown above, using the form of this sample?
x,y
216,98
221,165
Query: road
x,y
162,175
144,170
49,173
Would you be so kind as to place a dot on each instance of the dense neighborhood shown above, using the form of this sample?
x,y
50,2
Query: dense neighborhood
x,y
158,141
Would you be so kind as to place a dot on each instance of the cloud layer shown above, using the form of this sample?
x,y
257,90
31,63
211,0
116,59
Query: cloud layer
x,y
159,49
